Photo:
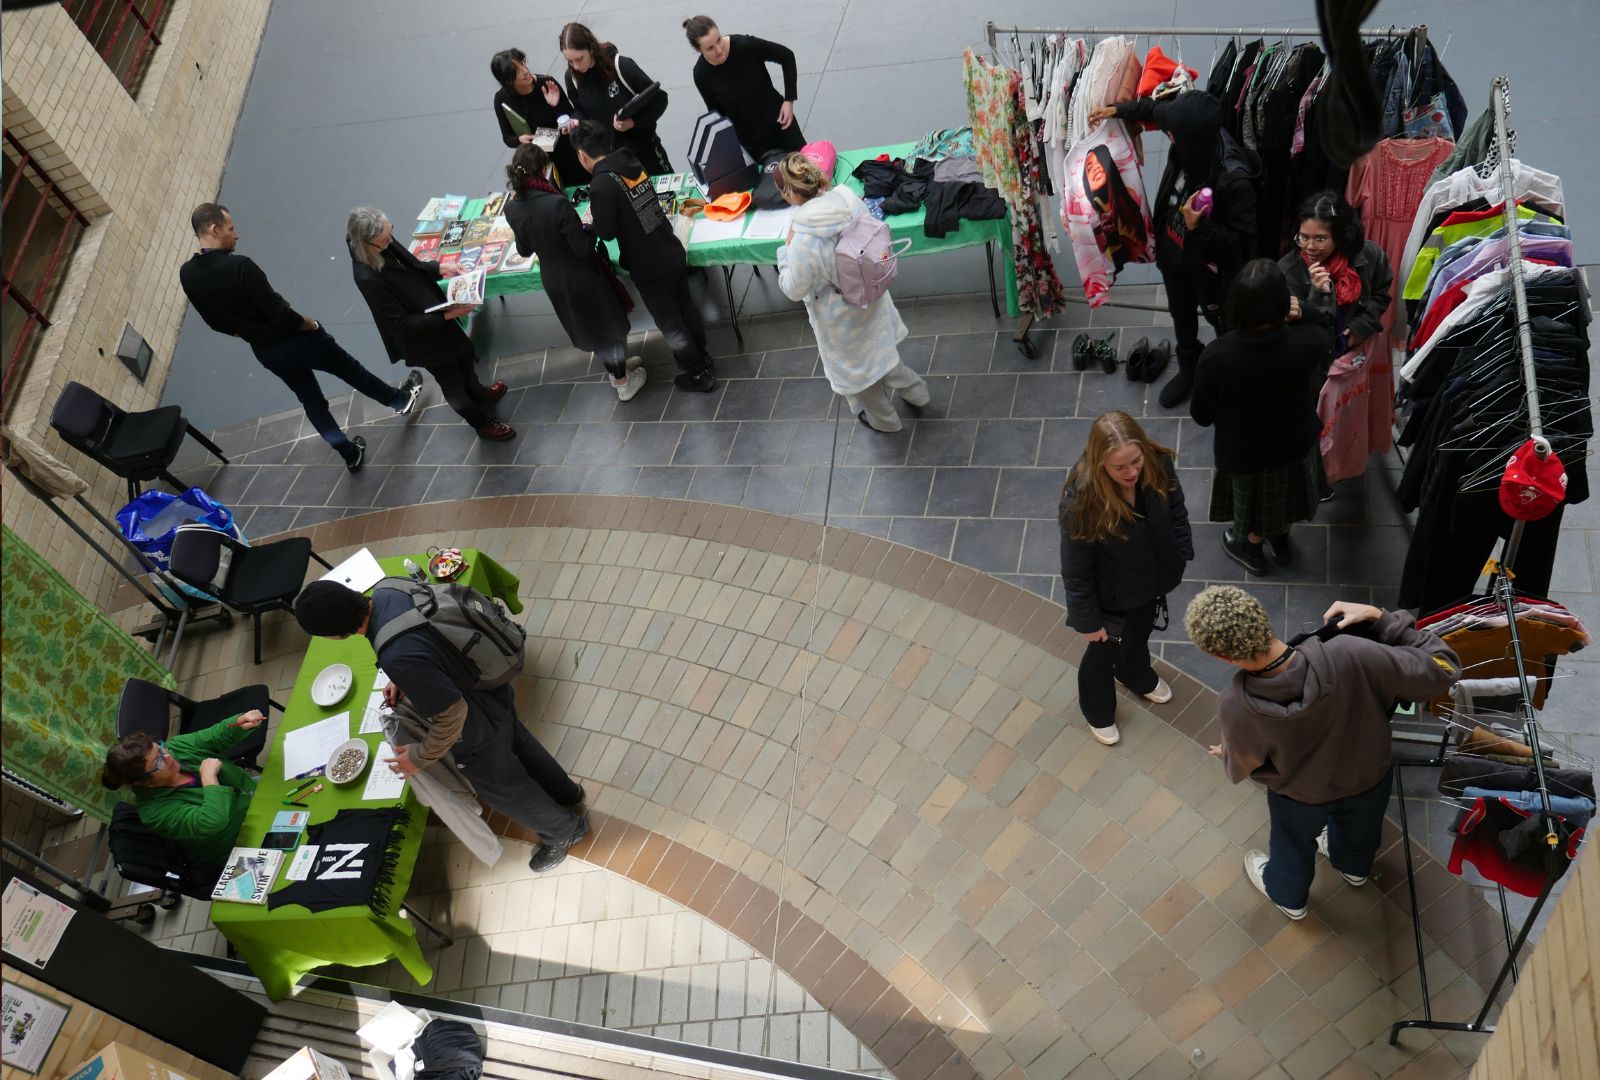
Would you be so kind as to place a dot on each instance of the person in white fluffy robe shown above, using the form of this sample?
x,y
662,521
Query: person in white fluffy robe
x,y
858,346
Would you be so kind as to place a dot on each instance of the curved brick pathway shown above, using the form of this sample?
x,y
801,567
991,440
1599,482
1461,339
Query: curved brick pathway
x,y
966,880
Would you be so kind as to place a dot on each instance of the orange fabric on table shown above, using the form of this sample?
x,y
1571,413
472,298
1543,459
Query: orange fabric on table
x,y
727,207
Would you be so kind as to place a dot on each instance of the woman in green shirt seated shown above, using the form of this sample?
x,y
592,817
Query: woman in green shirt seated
x,y
183,790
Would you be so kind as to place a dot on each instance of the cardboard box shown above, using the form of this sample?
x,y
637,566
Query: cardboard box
x,y
119,1062
308,1063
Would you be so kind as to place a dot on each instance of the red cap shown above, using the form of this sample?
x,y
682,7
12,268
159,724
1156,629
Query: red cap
x,y
1532,487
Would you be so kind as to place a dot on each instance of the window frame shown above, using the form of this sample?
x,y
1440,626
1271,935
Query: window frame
x,y
149,36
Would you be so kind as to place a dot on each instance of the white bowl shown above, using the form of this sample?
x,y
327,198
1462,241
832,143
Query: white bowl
x,y
359,746
332,685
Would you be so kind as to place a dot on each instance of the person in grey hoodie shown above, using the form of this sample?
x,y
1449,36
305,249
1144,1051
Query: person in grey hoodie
x,y
1311,723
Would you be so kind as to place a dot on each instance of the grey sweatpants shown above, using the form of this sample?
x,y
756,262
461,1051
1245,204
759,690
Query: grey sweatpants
x,y
877,400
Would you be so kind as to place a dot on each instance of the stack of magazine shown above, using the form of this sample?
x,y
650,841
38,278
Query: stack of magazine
x,y
471,235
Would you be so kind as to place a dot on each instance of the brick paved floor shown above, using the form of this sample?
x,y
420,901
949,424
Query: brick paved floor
x,y
870,771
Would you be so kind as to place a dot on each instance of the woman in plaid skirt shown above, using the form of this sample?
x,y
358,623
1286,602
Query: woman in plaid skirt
x,y
1257,386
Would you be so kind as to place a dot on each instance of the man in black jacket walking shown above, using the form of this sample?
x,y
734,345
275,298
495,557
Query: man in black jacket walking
x,y
625,208
234,297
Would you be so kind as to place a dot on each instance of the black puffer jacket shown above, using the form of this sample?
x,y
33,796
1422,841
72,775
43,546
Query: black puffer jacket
x,y
1107,578
1363,318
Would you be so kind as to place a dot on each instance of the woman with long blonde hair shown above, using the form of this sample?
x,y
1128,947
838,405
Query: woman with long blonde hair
x,y
859,347
1125,540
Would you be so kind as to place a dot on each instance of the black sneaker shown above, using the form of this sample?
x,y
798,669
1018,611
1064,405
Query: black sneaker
x,y
1244,553
412,388
548,856
1282,553
354,464
701,382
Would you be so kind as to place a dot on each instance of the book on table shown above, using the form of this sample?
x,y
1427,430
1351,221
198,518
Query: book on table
x,y
472,210
490,259
425,247
453,234
449,260
513,263
451,206
429,227
477,231
470,257
248,875
466,288
431,210
493,204
500,232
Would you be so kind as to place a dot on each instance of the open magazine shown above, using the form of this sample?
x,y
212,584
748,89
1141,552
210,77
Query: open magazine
x,y
248,876
463,289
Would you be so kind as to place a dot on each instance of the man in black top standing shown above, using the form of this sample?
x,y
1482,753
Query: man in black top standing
x,y
479,729
625,208
234,297
732,78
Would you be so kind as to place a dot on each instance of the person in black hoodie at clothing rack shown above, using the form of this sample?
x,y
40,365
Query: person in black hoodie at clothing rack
x,y
600,81
540,102
732,78
625,208
1197,250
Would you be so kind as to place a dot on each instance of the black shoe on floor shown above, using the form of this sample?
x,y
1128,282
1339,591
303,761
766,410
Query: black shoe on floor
x,y
354,465
699,383
1176,392
1138,357
1080,352
548,856
1156,361
1244,553
1282,553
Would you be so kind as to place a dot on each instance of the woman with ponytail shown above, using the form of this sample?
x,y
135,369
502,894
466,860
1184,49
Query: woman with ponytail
x,y
588,298
183,790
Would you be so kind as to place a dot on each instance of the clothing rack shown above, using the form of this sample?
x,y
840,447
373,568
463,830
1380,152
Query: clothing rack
x,y
1505,595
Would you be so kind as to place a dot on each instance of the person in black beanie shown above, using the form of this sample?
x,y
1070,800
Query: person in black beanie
x,y
623,203
234,297
732,78
1197,250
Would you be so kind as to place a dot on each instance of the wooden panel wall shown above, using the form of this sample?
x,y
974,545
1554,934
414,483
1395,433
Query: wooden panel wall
x,y
1550,1029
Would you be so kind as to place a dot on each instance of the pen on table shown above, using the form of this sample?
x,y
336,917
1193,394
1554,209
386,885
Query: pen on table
x,y
291,802
303,785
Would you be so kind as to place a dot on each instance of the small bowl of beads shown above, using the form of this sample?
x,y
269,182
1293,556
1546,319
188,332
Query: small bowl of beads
x,y
348,760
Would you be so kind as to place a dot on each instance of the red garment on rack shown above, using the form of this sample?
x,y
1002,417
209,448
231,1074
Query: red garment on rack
x,y
1478,842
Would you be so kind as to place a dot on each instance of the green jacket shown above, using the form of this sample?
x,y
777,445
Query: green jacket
x,y
204,819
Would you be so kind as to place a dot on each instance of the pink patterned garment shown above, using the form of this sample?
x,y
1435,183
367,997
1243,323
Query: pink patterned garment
x,y
1104,208
1386,188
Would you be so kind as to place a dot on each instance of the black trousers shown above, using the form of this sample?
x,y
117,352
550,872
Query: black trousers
x,y
295,358
463,390
673,308
514,774
1355,829
1124,659
1183,304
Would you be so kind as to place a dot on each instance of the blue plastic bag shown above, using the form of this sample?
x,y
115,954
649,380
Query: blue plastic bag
x,y
151,521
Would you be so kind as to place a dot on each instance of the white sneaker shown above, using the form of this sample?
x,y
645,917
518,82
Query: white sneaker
x,y
1161,694
630,386
1322,846
1108,735
1255,865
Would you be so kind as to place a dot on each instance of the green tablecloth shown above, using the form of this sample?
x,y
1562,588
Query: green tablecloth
x,y
64,664
282,945
765,252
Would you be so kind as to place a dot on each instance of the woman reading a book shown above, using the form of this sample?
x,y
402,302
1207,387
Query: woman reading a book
x,y
183,790
529,108
417,323
606,86
588,298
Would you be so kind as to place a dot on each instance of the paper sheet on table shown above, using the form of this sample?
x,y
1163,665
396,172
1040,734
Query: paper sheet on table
x,y
308,748
381,681
372,715
383,783
708,231
359,572
769,224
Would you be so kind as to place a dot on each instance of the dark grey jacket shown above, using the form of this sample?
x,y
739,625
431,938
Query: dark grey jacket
x,y
1363,318
1121,573
400,293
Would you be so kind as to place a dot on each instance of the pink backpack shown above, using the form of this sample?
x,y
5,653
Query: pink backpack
x,y
866,260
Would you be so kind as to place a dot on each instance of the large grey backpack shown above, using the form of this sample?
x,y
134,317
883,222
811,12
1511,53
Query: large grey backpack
x,y
477,627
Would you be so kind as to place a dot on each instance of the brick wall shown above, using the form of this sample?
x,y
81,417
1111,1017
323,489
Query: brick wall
x,y
136,167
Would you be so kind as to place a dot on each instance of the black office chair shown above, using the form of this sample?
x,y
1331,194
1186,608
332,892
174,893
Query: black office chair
x,y
146,858
147,707
250,580
139,447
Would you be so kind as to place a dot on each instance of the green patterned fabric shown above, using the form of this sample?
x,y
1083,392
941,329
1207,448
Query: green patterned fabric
x,y
65,663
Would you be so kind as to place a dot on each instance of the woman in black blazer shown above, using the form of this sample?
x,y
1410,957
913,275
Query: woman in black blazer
x,y
600,81
589,301
400,288
1124,542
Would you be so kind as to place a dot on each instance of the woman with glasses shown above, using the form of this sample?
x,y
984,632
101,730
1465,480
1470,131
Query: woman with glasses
x,y
403,292
183,789
1342,282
